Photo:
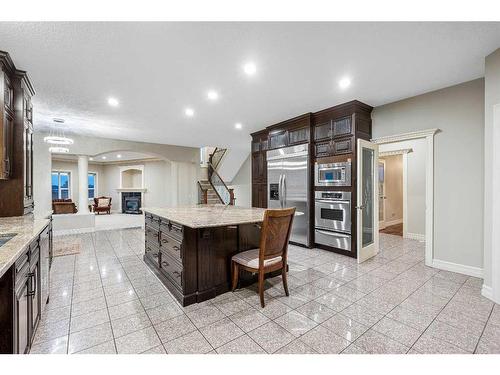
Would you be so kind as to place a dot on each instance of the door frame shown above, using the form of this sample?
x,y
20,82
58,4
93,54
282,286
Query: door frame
x,y
428,135
404,152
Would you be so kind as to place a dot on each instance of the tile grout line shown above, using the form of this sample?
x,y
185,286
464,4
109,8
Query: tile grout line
x,y
484,328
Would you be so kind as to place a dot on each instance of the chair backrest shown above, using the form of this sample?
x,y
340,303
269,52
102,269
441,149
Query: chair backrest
x,y
96,200
275,234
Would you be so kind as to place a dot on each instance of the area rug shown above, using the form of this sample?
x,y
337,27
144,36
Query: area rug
x,y
66,245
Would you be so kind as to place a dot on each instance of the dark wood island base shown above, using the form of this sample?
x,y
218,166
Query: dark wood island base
x,y
194,263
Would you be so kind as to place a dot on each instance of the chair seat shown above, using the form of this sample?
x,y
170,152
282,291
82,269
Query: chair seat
x,y
250,258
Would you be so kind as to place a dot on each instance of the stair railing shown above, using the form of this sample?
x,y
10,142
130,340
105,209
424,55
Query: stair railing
x,y
216,157
225,194
202,194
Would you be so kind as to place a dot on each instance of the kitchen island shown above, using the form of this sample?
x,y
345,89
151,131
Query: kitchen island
x,y
190,248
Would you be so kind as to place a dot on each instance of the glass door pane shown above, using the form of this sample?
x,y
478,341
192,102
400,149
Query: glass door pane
x,y
367,200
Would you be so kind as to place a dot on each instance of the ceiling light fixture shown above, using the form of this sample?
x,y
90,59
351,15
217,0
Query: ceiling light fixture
x,y
58,150
103,157
238,125
213,95
56,136
189,112
250,68
113,102
118,156
344,82
91,158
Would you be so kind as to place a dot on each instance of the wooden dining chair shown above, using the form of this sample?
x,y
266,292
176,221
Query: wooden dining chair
x,y
272,253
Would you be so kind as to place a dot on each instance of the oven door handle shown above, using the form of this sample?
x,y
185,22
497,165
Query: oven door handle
x,y
333,234
333,202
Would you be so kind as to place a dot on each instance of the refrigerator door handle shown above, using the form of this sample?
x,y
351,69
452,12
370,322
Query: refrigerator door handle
x,y
284,191
280,193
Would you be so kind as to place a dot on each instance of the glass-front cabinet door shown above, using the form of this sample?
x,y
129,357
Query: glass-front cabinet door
x,y
367,200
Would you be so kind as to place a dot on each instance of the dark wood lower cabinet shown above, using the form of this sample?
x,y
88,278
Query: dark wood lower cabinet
x,y
21,298
195,266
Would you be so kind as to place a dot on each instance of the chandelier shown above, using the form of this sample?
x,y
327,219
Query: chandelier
x,y
57,137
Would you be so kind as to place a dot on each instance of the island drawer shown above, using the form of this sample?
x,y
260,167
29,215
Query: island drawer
x,y
152,250
171,269
152,220
171,245
151,234
172,229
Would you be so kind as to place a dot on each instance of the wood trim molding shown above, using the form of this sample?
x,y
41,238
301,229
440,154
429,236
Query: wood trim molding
x,y
405,136
395,152
428,135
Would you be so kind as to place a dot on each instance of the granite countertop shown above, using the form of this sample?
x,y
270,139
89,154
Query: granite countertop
x,y
27,228
206,215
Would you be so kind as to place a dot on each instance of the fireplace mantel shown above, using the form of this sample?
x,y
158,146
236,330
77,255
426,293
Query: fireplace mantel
x,y
131,190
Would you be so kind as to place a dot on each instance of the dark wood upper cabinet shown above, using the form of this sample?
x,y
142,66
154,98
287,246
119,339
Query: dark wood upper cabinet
x,y
278,139
323,131
299,135
341,127
259,167
16,139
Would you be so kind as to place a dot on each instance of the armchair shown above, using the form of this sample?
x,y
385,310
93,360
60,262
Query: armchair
x,y
102,204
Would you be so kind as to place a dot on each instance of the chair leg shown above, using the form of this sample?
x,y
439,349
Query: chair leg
x,y
285,283
236,274
261,288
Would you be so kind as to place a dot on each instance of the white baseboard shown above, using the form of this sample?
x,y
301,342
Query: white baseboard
x,y
415,236
393,222
458,268
487,292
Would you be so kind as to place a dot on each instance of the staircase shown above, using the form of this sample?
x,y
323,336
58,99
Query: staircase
x,y
214,190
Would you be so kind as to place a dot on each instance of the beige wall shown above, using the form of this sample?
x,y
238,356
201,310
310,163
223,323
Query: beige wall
x,y
393,188
458,163
242,184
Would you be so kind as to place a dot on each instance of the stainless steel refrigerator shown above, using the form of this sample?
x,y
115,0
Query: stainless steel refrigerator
x,y
287,178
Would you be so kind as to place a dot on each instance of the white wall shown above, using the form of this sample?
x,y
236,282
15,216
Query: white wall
x,y
458,161
491,249
42,165
242,184
393,181
416,183
164,186
72,167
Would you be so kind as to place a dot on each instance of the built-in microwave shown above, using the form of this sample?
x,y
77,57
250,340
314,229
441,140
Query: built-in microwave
x,y
332,174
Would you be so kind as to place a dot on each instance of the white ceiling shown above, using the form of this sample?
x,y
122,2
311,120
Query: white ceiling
x,y
157,69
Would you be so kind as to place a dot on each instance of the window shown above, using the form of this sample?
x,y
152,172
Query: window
x,y
92,182
61,182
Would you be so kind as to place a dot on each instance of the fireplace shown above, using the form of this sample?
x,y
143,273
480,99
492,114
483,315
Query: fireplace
x,y
131,202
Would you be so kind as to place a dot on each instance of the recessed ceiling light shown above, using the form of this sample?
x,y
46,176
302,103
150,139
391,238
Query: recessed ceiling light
x,y
189,112
213,95
250,68
238,125
59,150
344,82
91,158
113,102
118,156
103,157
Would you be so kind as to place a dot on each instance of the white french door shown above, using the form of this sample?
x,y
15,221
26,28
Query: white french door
x,y
381,193
367,200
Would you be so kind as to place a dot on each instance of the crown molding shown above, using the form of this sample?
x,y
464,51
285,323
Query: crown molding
x,y
395,152
406,136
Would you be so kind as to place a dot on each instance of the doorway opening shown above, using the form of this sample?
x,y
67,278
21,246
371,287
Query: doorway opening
x,y
390,182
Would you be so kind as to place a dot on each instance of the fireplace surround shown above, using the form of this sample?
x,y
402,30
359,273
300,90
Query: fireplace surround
x,y
131,202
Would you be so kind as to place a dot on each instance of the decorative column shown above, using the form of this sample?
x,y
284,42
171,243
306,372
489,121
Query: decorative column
x,y
83,187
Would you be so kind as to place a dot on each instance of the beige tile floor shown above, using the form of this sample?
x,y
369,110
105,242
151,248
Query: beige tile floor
x,y
105,300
